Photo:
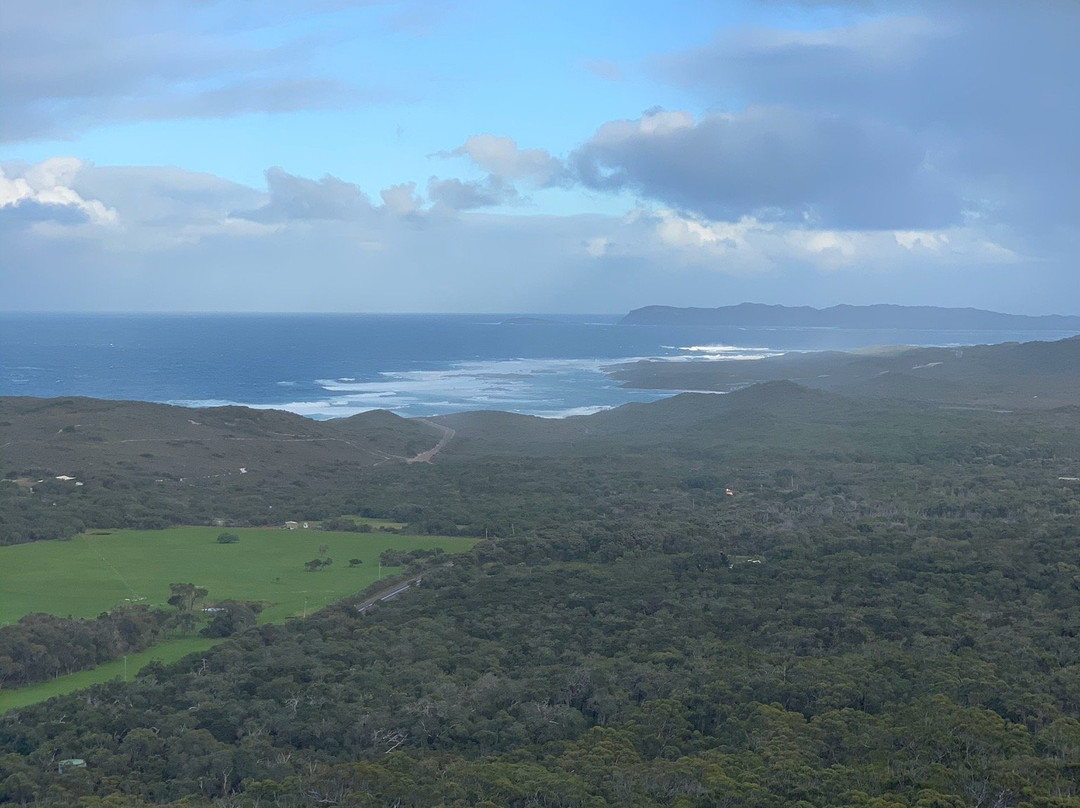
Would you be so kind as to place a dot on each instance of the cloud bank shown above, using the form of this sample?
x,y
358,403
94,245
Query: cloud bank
x,y
165,239
914,153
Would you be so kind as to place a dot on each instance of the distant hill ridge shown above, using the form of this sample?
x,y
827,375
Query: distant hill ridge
x,y
843,316
1022,375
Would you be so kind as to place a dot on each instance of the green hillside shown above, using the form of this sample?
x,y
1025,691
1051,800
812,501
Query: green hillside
x,y
781,596
1031,375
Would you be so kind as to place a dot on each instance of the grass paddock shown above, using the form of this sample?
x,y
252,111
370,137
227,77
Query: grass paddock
x,y
98,570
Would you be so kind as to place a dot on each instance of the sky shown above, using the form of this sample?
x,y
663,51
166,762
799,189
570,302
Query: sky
x,y
579,157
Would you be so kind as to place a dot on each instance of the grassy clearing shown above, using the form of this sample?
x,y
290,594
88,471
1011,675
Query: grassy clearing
x,y
166,652
96,571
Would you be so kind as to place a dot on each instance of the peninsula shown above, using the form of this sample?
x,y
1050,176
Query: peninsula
x,y
757,315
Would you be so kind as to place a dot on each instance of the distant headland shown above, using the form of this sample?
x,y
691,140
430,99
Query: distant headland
x,y
757,315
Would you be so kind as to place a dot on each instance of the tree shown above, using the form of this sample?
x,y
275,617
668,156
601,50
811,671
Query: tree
x,y
185,596
227,538
355,562
231,618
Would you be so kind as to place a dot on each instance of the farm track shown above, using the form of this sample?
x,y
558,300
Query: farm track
x,y
429,455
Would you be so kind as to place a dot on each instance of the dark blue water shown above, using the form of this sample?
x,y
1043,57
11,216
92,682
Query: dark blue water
x,y
336,365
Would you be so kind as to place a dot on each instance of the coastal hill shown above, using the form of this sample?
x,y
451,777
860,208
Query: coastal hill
x,y
757,315
779,596
94,440
1028,375
90,436
72,462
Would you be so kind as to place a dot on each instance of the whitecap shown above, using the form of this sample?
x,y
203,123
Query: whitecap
x,y
322,410
203,403
572,412
722,349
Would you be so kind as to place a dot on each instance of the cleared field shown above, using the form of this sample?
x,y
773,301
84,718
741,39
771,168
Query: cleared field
x,y
166,652
98,570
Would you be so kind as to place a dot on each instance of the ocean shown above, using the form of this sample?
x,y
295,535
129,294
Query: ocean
x,y
335,365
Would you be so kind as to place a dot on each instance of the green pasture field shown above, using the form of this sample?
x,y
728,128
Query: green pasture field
x,y
166,652
95,571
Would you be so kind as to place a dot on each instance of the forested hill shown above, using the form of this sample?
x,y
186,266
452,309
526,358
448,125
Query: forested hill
x,y
777,597
749,415
72,462
84,436
877,316
1025,375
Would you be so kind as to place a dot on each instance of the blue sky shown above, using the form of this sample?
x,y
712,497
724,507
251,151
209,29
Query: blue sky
x,y
592,156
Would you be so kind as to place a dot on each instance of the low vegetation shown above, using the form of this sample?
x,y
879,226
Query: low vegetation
x,y
778,597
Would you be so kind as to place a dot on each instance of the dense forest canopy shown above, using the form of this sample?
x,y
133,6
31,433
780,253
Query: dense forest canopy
x,y
777,597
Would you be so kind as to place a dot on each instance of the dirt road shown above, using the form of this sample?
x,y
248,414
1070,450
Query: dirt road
x,y
429,455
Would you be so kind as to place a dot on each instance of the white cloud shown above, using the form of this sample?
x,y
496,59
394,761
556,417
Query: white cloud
x,y
401,199
654,123
824,241
501,157
597,246
992,252
924,239
683,231
319,245
48,185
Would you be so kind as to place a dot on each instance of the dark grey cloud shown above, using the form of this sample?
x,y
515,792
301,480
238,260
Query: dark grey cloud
x,y
294,198
987,90
773,163
67,66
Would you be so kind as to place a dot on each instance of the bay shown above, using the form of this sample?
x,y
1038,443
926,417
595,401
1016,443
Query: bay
x,y
333,365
